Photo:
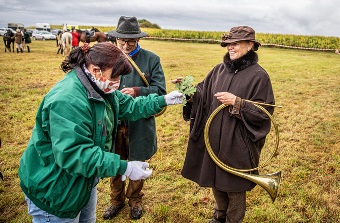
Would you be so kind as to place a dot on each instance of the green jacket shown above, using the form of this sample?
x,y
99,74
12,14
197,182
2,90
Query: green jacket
x,y
66,150
27,37
142,133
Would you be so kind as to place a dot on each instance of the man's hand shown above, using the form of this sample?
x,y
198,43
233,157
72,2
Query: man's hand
x,y
129,91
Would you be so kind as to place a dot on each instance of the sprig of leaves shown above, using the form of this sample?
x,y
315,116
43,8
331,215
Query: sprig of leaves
x,y
186,87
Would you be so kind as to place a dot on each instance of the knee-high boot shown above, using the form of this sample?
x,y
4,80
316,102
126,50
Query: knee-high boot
x,y
17,50
21,50
28,49
58,50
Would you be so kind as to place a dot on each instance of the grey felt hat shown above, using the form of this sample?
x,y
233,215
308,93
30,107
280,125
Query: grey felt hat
x,y
128,27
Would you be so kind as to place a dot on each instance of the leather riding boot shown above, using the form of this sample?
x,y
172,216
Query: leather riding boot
x,y
17,50
21,50
62,51
28,49
58,51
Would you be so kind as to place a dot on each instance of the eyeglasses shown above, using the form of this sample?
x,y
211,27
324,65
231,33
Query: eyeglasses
x,y
130,42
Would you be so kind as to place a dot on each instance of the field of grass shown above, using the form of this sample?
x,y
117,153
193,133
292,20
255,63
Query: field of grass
x,y
306,84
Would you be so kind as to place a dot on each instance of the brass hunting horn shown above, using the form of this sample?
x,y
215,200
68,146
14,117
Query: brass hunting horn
x,y
269,182
141,74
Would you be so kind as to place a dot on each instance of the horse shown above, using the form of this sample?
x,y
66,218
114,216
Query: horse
x,y
98,36
8,40
66,41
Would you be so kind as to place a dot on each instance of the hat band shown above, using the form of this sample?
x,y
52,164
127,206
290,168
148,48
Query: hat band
x,y
127,32
237,37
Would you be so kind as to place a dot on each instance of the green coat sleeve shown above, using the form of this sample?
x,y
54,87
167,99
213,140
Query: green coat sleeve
x,y
133,109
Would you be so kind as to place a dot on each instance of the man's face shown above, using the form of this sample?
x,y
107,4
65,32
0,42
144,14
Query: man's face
x,y
127,45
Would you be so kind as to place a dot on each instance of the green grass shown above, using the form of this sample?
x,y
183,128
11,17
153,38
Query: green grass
x,y
306,84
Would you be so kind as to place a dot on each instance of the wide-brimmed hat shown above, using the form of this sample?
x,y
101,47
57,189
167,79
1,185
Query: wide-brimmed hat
x,y
128,27
239,33
18,30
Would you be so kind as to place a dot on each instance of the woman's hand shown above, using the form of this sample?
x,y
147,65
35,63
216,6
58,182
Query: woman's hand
x,y
177,80
174,98
226,98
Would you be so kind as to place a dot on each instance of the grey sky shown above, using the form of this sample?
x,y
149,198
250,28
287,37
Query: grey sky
x,y
301,17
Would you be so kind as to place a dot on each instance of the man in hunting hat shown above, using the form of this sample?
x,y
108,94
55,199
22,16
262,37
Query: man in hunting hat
x,y
136,141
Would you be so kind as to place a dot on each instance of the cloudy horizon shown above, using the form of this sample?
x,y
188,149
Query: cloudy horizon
x,y
304,17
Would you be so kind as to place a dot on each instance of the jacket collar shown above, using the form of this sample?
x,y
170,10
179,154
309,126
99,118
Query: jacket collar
x,y
242,63
91,92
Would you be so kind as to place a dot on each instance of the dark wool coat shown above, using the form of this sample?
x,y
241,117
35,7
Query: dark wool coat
x,y
142,133
237,133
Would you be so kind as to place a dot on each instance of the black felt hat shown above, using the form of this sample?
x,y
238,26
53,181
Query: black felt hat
x,y
128,27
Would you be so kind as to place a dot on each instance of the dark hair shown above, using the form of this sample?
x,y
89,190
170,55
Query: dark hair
x,y
104,55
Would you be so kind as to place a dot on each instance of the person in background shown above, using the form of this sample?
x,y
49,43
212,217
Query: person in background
x,y
72,141
238,132
18,40
136,140
59,42
27,40
75,37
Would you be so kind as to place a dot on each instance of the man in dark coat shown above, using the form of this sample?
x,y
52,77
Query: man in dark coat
x,y
136,140
237,133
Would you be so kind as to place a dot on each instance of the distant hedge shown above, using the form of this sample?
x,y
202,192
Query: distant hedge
x,y
280,40
266,39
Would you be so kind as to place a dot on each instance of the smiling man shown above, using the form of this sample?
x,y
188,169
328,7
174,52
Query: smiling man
x,y
135,140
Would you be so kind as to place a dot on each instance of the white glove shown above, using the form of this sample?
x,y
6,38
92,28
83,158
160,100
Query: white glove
x,y
137,170
174,98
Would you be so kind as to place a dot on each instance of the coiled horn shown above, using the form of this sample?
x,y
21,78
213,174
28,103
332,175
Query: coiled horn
x,y
269,182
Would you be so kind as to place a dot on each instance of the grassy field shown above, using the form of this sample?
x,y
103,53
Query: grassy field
x,y
306,84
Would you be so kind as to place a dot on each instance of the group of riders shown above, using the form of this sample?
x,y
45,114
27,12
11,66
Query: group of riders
x,y
20,38
75,39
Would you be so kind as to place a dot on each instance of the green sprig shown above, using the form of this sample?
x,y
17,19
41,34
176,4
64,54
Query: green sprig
x,y
186,87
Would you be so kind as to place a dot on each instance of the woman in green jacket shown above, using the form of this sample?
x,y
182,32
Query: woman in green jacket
x,y
71,143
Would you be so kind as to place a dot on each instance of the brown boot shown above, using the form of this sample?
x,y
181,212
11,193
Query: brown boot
x,y
112,211
215,220
136,212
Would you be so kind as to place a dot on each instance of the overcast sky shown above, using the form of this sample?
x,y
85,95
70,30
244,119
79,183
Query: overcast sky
x,y
302,17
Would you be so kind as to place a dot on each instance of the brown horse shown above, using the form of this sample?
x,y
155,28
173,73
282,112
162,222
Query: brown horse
x,y
84,36
98,36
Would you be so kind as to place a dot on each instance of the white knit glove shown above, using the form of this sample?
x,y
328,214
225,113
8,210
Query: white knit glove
x,y
137,170
174,98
